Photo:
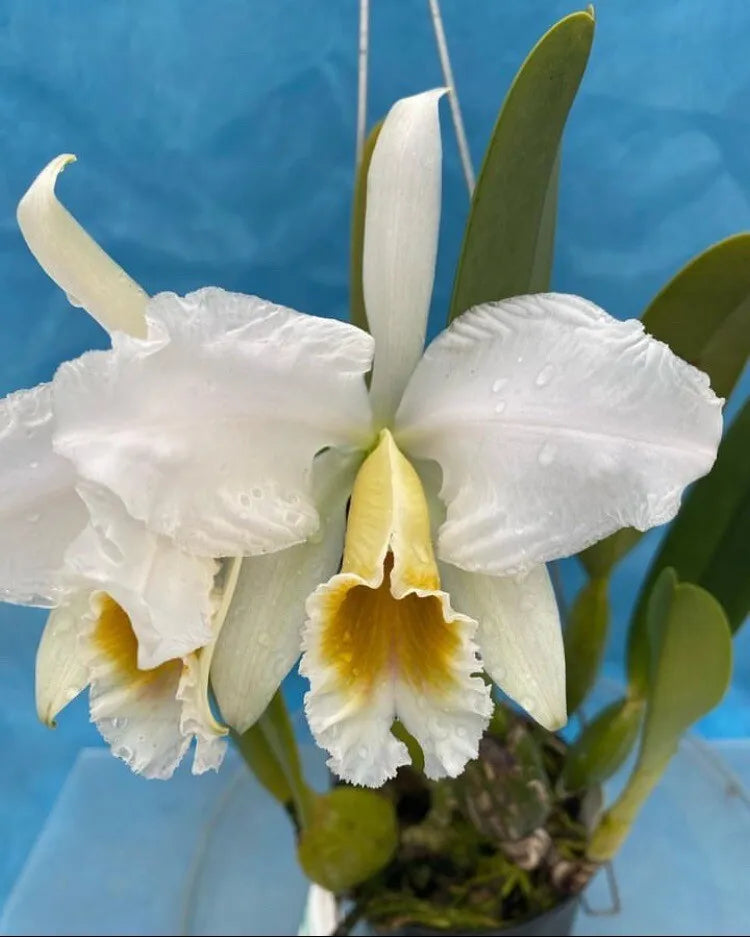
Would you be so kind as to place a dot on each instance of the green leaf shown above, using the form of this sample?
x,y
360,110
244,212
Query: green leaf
x,y
506,790
352,835
269,748
585,638
507,248
690,662
413,747
707,542
599,559
603,745
257,754
703,314
357,312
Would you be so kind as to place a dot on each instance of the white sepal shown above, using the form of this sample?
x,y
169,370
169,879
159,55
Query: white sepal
x,y
74,261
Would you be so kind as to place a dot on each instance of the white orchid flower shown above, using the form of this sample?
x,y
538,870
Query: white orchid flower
x,y
529,429
131,607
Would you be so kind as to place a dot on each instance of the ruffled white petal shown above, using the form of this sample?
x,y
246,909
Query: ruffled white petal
x,y
61,669
207,430
382,641
554,425
165,592
197,720
261,636
75,262
519,636
400,243
137,712
40,512
149,717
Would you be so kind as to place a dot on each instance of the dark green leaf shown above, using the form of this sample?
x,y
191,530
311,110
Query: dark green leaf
x,y
585,638
415,751
353,834
707,542
357,312
703,314
690,651
507,248
599,559
603,745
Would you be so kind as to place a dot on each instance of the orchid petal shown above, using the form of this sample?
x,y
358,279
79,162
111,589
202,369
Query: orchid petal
x,y
400,242
74,261
382,641
136,711
165,592
261,637
61,671
197,720
207,430
519,636
554,425
40,512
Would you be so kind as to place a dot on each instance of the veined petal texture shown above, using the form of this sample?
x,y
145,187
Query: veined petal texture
x,y
207,429
554,425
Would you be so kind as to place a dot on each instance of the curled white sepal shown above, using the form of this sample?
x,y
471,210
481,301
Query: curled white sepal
x,y
72,258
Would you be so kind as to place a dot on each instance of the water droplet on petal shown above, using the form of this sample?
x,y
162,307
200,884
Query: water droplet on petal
x,y
499,384
32,518
263,639
460,732
363,751
545,375
34,465
257,492
547,454
500,406
527,702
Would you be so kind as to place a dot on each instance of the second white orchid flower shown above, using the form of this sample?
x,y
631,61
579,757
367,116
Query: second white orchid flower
x,y
529,429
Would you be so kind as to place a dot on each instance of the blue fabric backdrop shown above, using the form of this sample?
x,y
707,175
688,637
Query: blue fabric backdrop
x,y
216,145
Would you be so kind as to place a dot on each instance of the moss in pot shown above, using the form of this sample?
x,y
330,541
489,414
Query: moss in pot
x,y
492,848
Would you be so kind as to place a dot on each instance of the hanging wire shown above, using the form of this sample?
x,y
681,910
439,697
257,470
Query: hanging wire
x,y
458,122
364,49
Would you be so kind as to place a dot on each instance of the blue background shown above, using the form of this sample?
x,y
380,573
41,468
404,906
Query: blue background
x,y
216,144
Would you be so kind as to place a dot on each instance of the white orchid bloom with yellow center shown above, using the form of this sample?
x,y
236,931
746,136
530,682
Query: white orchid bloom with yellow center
x,y
529,429
130,607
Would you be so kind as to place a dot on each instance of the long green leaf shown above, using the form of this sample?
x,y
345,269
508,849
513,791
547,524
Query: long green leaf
x,y
690,647
703,314
357,312
507,248
585,639
270,750
603,745
707,543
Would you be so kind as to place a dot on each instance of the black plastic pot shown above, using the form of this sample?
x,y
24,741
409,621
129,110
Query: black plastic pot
x,y
557,922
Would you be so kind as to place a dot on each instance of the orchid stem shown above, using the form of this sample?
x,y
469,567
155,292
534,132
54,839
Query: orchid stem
x,y
270,751
276,726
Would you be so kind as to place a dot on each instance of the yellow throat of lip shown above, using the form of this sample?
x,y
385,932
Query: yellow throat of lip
x,y
383,615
